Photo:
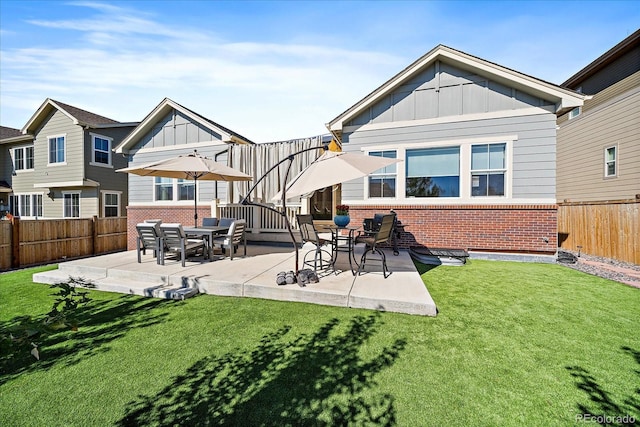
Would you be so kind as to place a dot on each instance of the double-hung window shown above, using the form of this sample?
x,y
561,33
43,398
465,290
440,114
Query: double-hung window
x,y
488,168
186,189
56,149
71,203
163,188
433,172
111,204
23,158
610,160
101,155
169,189
382,183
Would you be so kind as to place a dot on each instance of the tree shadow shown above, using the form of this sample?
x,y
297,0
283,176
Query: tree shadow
x,y
605,408
320,379
99,324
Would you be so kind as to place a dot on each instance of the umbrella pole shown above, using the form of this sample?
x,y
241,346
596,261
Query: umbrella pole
x,y
286,217
195,199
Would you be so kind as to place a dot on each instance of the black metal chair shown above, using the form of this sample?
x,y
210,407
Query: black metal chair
x,y
373,239
309,234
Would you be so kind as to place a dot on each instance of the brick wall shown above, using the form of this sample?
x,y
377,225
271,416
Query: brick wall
x,y
504,228
181,214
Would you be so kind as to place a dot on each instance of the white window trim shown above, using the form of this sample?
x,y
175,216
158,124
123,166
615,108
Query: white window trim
x,y
79,193
505,170
615,161
103,196
19,199
578,112
175,200
465,173
64,135
93,151
23,148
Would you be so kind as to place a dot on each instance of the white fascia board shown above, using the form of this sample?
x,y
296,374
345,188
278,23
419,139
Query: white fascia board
x,y
36,116
64,184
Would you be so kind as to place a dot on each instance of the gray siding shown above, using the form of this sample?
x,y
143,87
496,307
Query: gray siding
x,y
582,141
176,129
141,188
442,90
109,179
534,151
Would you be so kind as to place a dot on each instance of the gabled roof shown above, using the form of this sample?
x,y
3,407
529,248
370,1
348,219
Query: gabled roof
x,y
77,115
8,135
161,110
565,99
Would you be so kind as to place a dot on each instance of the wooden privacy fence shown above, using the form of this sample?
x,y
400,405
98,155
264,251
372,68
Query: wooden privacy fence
x,y
610,230
40,241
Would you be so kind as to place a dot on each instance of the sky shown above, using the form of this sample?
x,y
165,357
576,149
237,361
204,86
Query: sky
x,y
274,70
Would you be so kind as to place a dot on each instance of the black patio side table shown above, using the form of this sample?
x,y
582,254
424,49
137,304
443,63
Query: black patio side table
x,y
337,238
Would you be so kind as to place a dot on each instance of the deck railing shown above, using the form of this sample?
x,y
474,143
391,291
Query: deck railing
x,y
260,220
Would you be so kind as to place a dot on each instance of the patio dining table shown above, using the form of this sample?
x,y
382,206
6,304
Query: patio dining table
x,y
208,233
348,244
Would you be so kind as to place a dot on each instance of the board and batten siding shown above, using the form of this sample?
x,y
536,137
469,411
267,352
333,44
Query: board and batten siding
x,y
442,90
533,157
165,141
581,151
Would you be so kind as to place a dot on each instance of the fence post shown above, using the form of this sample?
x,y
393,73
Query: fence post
x,y
94,235
15,242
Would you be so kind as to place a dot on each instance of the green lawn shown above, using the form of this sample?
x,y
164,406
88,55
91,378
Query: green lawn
x,y
513,344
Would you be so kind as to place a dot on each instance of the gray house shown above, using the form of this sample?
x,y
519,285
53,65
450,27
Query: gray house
x,y
171,130
478,144
599,157
61,165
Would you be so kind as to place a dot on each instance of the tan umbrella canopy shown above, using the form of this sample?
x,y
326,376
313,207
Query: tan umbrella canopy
x,y
333,168
192,166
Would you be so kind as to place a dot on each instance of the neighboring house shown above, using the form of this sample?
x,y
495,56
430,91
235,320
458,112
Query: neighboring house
x,y
171,130
62,164
16,138
478,144
598,183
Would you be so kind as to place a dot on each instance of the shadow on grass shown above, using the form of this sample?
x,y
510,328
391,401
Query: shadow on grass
x,y
424,268
605,408
320,379
99,324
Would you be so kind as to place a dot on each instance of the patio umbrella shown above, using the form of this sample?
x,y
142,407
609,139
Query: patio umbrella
x,y
331,168
193,167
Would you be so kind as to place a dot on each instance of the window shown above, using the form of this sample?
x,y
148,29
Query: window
x,y
101,150
574,113
56,149
382,183
111,204
71,202
186,189
488,167
164,188
26,205
433,172
23,158
610,158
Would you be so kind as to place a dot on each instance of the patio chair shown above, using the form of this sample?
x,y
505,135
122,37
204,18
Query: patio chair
x,y
235,236
174,240
148,238
309,234
209,222
226,222
373,239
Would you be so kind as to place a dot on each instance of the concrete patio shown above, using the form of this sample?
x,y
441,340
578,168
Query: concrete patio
x,y
255,276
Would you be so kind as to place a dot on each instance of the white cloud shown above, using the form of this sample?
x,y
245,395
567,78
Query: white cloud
x,y
270,91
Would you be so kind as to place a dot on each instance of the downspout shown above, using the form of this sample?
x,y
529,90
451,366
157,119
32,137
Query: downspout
x,y
216,159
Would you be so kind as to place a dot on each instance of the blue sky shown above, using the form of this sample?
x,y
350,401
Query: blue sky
x,y
274,70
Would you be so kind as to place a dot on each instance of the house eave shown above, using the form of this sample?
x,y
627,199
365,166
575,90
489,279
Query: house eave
x,y
562,98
